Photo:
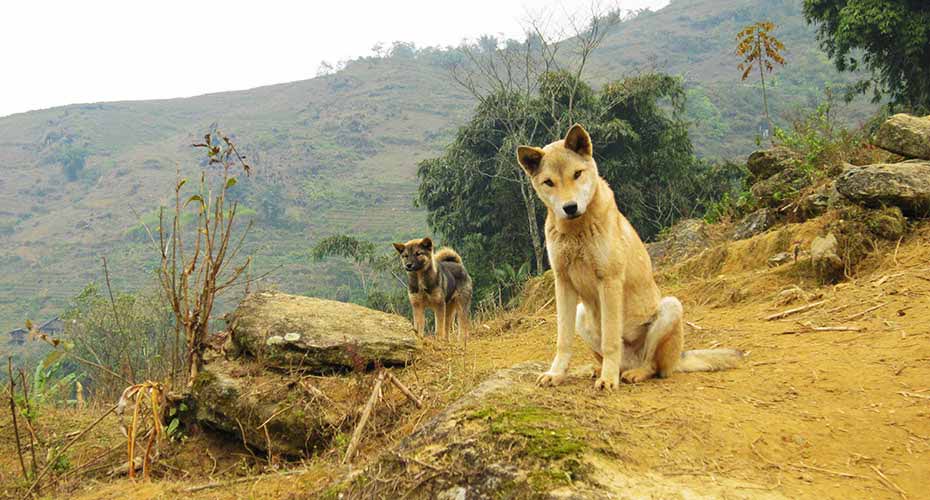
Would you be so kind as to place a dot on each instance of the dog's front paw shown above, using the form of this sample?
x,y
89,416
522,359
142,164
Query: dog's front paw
x,y
636,375
604,384
550,379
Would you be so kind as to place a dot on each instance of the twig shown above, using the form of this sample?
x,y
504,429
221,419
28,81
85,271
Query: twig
x,y
19,446
796,310
863,313
808,328
913,395
828,471
403,388
275,414
888,482
58,455
366,413
694,326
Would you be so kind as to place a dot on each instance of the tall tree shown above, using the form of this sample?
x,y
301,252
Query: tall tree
x,y
759,49
890,38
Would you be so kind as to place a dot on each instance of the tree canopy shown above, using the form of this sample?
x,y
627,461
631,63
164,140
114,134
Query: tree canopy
x,y
890,38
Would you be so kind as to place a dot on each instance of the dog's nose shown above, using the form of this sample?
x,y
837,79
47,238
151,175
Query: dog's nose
x,y
409,267
570,208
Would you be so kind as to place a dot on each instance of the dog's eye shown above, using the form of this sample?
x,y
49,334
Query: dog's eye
x,y
548,182
578,173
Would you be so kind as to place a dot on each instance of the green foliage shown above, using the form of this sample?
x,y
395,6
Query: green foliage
x,y
71,157
817,138
890,38
511,280
50,383
132,336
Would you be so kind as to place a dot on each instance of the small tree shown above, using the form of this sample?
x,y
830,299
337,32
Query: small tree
x,y
193,274
759,48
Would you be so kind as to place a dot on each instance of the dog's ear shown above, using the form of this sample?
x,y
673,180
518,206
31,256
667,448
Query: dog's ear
x,y
426,244
399,247
578,140
530,158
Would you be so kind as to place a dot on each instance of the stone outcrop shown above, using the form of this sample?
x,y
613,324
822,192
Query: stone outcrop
x,y
686,237
825,258
768,162
753,224
905,185
237,396
293,332
906,135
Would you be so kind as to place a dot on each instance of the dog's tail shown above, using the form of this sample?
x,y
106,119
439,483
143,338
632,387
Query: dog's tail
x,y
709,360
447,254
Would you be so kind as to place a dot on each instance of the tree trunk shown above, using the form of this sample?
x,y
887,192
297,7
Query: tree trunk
x,y
529,203
765,100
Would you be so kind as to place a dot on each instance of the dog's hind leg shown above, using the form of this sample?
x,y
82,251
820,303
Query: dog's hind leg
x,y
450,320
662,345
463,321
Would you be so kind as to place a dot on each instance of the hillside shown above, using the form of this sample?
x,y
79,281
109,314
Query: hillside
x,y
336,153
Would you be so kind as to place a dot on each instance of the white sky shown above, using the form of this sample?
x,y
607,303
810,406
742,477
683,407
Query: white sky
x,y
70,51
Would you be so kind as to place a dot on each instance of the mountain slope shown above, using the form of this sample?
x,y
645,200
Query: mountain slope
x,y
336,153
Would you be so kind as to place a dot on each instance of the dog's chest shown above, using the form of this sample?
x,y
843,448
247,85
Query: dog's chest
x,y
584,259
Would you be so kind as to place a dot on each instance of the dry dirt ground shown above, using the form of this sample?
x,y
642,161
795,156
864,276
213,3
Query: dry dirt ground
x,y
811,414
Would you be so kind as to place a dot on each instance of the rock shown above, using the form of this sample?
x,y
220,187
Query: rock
x,y
753,224
817,203
237,397
906,135
825,258
905,185
780,187
289,331
682,239
768,162
780,258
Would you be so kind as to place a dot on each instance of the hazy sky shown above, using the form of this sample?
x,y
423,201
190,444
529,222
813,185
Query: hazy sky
x,y
66,51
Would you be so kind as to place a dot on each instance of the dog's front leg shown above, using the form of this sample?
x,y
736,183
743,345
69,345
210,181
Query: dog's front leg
x,y
610,296
566,302
441,327
419,318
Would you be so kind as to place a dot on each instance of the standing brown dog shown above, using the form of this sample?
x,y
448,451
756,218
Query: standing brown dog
x,y
438,281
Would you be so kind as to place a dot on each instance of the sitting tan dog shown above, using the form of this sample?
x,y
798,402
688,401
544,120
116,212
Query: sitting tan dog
x,y
604,287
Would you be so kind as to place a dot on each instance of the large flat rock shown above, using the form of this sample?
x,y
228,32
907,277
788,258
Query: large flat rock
x,y
906,135
904,185
295,332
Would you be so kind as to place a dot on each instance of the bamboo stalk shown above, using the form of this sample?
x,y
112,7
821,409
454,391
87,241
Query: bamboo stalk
x,y
366,413
19,445
403,388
